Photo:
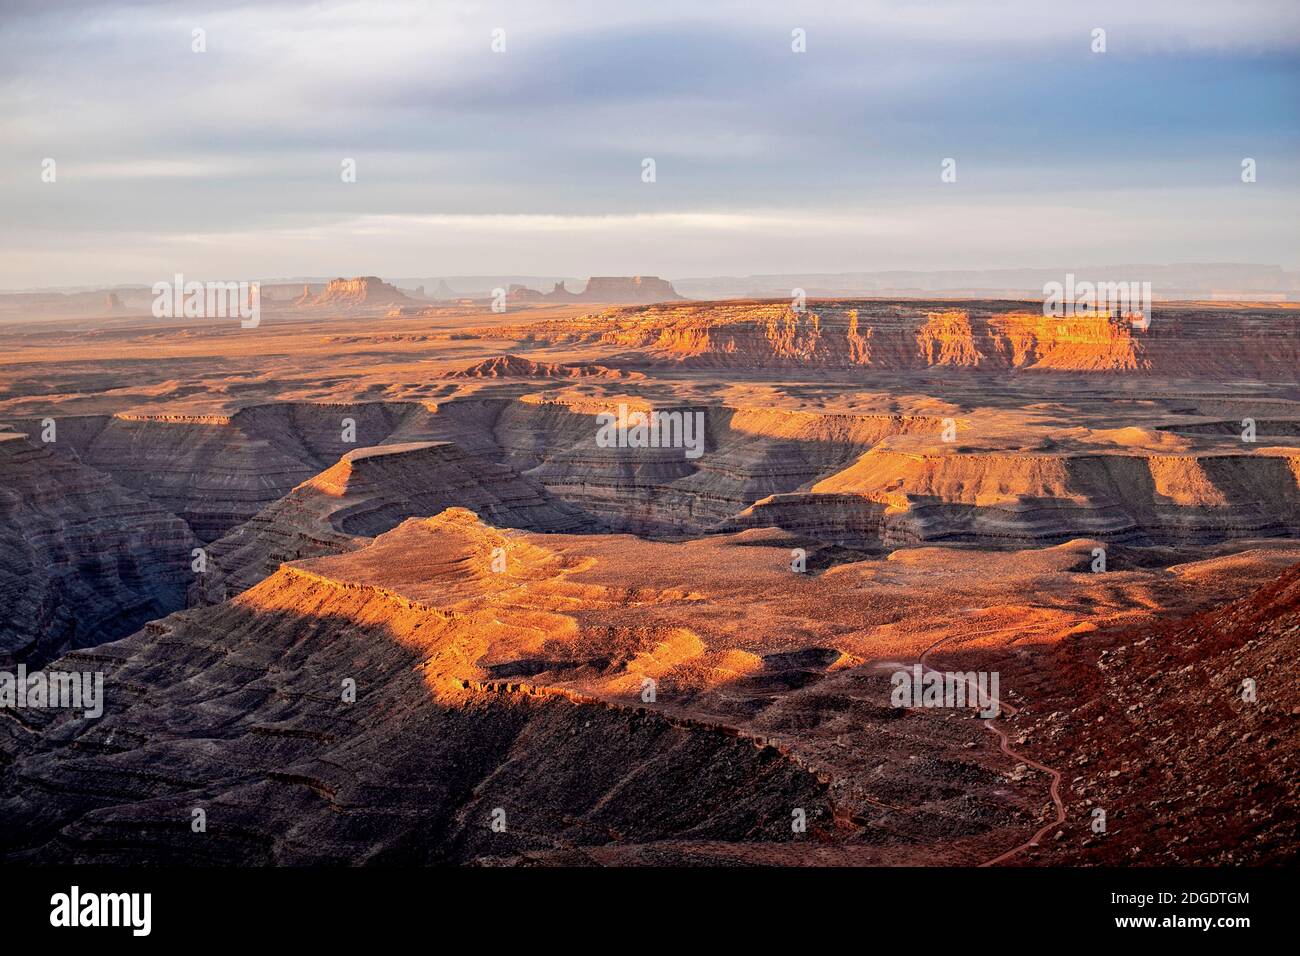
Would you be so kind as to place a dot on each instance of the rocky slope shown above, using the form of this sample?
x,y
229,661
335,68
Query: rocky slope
x,y
521,690
861,479
82,561
748,453
892,496
1195,769
251,726
370,491
217,471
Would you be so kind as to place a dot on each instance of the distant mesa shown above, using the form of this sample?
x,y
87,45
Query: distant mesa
x,y
985,336
637,290
516,366
611,290
361,292
521,293
620,290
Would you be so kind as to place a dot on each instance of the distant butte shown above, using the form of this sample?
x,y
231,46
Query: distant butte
x,y
632,290
620,290
361,292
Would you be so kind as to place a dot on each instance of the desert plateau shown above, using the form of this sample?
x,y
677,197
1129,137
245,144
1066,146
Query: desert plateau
x,y
632,655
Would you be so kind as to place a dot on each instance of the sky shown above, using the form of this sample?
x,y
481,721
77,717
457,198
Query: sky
x,y
528,160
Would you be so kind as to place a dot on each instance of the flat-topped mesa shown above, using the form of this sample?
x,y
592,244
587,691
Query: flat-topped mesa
x,y
630,289
529,677
234,704
1008,499
1182,340
360,292
517,293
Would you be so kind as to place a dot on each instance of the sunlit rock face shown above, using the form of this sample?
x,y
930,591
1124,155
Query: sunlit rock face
x,y
1183,342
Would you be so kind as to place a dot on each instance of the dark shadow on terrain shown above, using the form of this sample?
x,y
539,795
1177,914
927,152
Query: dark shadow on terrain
x,y
238,712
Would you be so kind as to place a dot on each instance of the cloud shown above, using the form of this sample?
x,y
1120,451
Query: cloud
x,y
247,138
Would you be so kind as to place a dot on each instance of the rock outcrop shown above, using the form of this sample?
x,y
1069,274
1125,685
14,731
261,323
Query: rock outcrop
x,y
862,480
749,453
389,704
218,471
253,723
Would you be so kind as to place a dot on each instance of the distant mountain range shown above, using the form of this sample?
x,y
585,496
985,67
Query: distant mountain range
x,y
1176,281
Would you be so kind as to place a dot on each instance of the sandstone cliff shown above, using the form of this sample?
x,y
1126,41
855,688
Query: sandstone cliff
x,y
1181,342
893,497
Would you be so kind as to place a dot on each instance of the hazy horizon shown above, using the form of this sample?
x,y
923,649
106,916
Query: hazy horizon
x,y
528,161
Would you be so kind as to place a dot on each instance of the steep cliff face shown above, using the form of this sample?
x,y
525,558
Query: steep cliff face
x,y
1183,341
82,561
216,472
891,497
1091,343
840,475
370,491
747,453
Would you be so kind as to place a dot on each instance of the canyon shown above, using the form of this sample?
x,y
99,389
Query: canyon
x,y
629,655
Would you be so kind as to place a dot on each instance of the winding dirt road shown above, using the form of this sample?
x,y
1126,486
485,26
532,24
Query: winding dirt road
x,y
1004,742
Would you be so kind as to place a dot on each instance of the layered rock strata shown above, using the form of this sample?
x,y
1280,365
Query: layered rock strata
x,y
370,491
82,561
892,498
1180,342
